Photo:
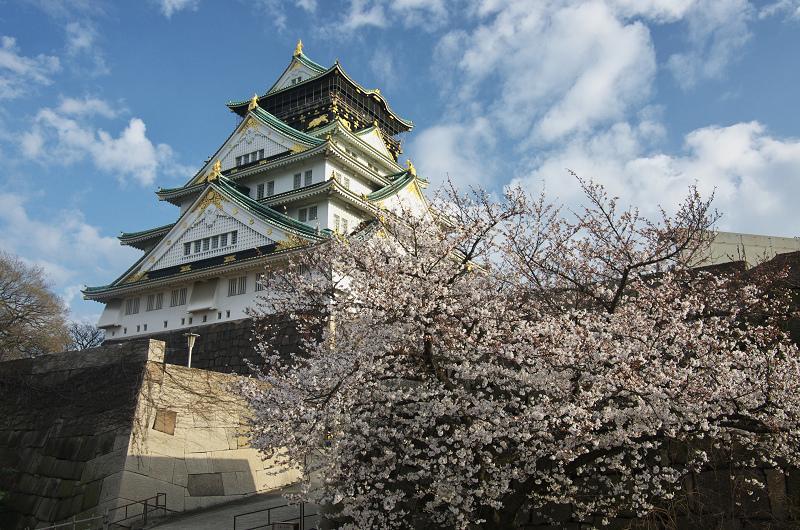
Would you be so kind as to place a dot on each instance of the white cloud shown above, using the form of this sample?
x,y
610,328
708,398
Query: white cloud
x,y
755,176
81,44
170,7
717,32
63,136
383,66
18,72
88,106
788,8
68,248
552,68
456,151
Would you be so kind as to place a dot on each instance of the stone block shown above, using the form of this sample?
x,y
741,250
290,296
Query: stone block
x,y
104,465
165,421
201,440
180,475
91,495
230,461
198,463
110,488
137,487
205,485
67,469
162,467
164,444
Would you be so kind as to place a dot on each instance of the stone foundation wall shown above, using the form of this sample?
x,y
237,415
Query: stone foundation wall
x,y
82,433
225,347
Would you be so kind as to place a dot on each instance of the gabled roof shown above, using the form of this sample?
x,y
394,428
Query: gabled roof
x,y
399,181
337,128
305,61
230,192
261,116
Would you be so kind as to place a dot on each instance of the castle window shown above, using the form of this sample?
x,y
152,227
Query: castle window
x,y
261,281
297,180
312,213
296,80
138,329
233,237
155,301
227,314
197,246
302,215
178,297
260,154
214,242
260,191
346,182
246,159
344,226
223,240
165,324
205,318
187,249
219,315
337,221
131,306
270,188
308,178
237,286
238,161
145,327
205,243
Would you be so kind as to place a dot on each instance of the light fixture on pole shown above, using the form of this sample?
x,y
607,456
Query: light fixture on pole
x,y
190,339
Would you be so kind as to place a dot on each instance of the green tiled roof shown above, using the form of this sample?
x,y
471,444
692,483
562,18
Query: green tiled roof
x,y
399,181
145,233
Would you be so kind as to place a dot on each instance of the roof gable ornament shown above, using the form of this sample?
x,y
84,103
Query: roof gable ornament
x,y
298,50
410,167
253,102
216,171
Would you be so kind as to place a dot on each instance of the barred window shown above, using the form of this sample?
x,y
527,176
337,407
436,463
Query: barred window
x,y
178,297
131,306
187,249
237,286
312,213
260,191
270,188
308,178
155,301
297,180
302,215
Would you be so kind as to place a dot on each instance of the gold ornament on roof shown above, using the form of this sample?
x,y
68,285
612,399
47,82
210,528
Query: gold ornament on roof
x,y
216,171
410,167
212,197
253,102
299,48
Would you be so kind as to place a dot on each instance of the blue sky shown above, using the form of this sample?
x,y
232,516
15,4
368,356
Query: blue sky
x,y
101,103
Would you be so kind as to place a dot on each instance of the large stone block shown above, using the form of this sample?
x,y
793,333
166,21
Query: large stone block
x,y
205,485
201,440
137,487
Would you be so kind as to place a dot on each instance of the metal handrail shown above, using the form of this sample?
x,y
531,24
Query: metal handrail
x,y
157,505
301,518
73,522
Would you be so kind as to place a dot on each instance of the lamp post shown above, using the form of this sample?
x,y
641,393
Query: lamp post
x,y
190,339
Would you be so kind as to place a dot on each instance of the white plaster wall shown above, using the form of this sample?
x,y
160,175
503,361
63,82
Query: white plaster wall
x,y
284,176
149,322
358,185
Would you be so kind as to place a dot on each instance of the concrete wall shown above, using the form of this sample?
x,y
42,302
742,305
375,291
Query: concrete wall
x,y
750,248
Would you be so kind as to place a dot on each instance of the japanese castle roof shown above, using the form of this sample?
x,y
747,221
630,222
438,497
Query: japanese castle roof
x,y
319,71
230,191
140,239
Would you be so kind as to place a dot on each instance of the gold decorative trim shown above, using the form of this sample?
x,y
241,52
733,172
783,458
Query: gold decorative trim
x,y
316,122
250,123
229,259
297,148
212,197
253,102
298,49
140,275
185,268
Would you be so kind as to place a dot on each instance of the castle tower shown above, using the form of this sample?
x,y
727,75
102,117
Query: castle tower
x,y
316,154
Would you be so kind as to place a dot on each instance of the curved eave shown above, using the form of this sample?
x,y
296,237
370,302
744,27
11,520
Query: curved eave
x,y
329,187
376,93
337,128
400,182
173,194
107,292
281,221
140,239
269,119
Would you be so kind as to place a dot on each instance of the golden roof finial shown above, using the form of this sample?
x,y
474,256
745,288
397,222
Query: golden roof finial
x,y
299,48
253,102
216,171
410,167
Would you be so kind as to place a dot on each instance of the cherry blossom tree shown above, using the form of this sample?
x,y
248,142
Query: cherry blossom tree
x,y
493,358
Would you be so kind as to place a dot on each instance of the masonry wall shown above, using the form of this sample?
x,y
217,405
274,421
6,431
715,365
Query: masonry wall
x,y
188,441
65,424
85,432
225,347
